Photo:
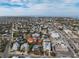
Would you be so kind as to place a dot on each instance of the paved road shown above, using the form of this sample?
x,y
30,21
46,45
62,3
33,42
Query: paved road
x,y
5,53
65,38
27,56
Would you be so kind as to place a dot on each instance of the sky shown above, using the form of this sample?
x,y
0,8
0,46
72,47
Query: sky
x,y
39,8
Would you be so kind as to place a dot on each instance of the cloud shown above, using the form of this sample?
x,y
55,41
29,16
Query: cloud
x,y
68,1
40,7
15,0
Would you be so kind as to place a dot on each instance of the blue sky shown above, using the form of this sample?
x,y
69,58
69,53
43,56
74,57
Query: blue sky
x,y
39,7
